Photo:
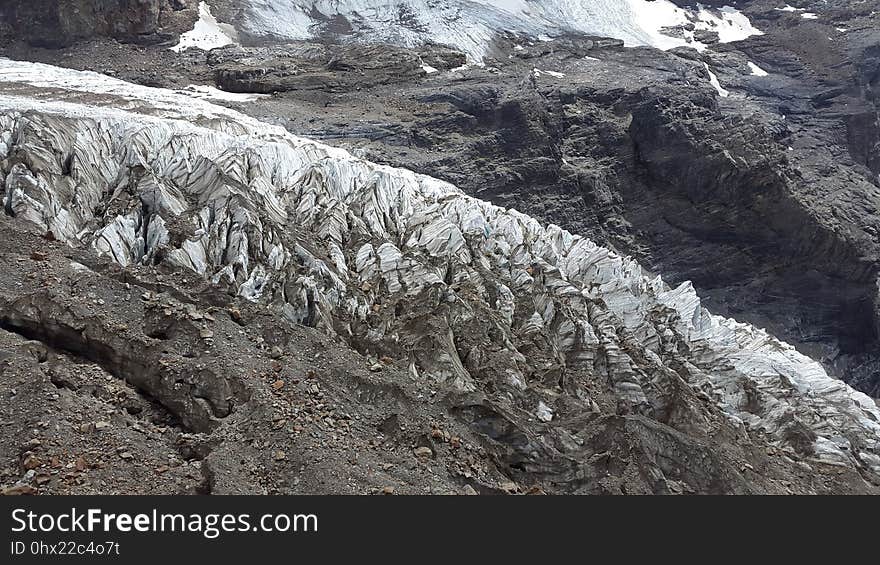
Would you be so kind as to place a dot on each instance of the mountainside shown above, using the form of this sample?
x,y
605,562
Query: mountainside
x,y
527,332
749,168
255,311
474,26
50,23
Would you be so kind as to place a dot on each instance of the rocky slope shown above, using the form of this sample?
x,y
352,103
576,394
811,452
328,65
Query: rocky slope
x,y
149,381
52,23
749,168
571,369
762,191
479,27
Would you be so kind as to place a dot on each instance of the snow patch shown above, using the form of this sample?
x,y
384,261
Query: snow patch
x,y
805,15
204,92
472,25
555,74
544,413
713,80
731,24
207,34
757,71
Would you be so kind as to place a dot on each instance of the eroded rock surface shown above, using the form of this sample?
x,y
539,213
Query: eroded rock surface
x,y
765,197
53,23
571,368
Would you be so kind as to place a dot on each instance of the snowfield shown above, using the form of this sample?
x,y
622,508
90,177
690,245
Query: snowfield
x,y
472,25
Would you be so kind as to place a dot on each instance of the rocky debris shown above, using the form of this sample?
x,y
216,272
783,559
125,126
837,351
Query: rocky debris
x,y
18,490
489,313
324,68
71,426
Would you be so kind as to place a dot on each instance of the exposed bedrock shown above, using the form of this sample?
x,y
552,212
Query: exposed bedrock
x,y
325,68
863,127
727,209
697,192
53,23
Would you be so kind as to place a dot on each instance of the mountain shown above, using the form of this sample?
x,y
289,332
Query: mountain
x,y
465,298
49,23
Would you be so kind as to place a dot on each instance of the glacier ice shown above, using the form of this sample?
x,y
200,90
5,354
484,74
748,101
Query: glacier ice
x,y
390,260
473,25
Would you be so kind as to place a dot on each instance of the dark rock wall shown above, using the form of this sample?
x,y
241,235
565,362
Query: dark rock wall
x,y
50,23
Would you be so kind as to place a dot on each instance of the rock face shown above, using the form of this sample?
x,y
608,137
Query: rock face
x,y
50,23
476,27
574,369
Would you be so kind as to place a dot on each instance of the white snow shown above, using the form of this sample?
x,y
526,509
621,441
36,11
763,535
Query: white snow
x,y
210,93
555,74
731,24
713,80
163,102
805,15
207,34
470,25
757,71
544,413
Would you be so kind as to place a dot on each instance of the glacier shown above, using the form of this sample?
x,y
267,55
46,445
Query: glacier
x,y
472,26
392,261
207,33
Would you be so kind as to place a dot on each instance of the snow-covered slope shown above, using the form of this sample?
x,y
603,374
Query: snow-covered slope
x,y
207,33
397,263
472,25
